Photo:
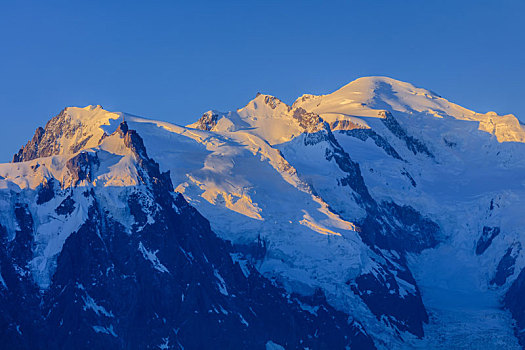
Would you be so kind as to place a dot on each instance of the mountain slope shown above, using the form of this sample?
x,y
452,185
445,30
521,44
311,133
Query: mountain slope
x,y
101,253
308,245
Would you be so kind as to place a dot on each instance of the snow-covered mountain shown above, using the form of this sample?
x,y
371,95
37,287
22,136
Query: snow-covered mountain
x,y
98,251
378,213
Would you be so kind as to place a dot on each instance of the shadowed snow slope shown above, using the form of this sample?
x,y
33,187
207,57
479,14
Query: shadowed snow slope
x,y
403,209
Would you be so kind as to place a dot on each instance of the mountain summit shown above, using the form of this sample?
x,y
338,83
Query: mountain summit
x,y
378,216
352,104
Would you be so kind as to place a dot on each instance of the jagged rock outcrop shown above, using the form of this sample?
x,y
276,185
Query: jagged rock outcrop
x,y
31,149
82,167
67,126
309,122
207,121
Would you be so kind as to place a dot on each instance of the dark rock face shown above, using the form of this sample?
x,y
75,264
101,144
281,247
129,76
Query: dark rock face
x,y
381,291
46,191
23,240
18,294
505,267
83,166
254,252
486,238
399,228
167,280
515,303
364,134
66,207
30,150
450,144
410,178
411,142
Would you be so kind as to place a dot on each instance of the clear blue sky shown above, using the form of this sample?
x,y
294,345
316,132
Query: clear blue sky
x,y
174,60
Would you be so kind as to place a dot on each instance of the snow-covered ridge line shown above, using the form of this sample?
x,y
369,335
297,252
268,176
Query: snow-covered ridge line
x,y
364,97
345,109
